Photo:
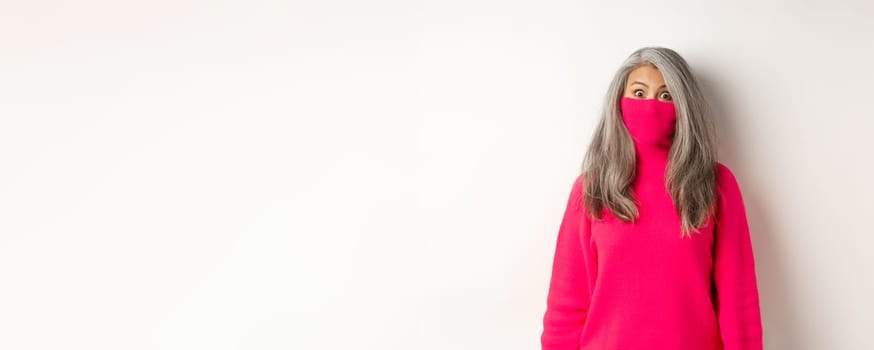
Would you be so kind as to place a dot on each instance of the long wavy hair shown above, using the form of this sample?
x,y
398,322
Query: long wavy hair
x,y
609,165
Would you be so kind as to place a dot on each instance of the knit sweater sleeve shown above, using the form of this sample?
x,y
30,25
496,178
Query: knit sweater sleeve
x,y
734,273
568,297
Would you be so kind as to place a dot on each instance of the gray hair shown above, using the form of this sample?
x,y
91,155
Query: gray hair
x,y
609,164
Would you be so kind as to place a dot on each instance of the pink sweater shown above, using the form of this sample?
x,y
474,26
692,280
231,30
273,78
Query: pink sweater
x,y
631,286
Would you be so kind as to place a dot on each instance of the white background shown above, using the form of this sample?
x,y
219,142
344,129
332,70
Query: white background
x,y
391,174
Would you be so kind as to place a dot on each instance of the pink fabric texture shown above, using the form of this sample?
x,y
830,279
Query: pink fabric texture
x,y
641,285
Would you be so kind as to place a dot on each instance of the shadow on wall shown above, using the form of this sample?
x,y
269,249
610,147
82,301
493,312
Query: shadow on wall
x,y
778,303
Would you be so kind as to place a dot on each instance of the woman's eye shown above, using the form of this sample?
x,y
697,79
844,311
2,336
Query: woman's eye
x,y
666,95
638,93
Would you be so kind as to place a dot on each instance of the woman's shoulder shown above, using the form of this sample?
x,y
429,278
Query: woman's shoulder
x,y
576,193
727,184
578,182
579,186
724,175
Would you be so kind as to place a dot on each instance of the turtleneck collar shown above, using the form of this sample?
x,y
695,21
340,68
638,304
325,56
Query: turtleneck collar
x,y
651,124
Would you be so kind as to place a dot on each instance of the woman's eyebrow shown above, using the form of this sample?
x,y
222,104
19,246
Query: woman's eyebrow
x,y
637,82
